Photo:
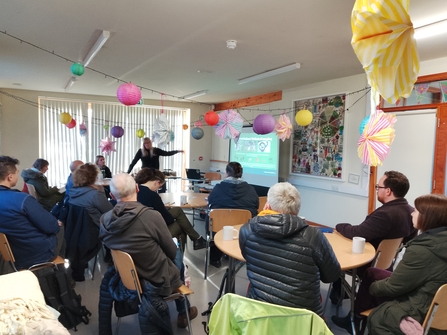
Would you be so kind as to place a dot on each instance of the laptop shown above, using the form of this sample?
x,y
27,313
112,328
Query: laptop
x,y
193,174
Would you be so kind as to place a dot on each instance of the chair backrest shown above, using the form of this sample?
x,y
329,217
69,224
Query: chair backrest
x,y
6,252
128,273
436,315
31,190
227,217
386,252
212,176
262,201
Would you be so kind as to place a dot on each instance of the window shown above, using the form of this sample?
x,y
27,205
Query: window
x,y
61,145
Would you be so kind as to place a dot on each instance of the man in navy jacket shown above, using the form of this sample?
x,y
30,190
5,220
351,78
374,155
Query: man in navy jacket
x,y
35,236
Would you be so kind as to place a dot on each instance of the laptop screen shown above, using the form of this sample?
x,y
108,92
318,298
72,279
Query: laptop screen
x,y
193,174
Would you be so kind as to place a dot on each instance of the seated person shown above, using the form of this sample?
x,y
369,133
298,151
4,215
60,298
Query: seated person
x,y
285,257
84,193
410,288
47,196
35,236
149,181
140,231
73,166
391,220
101,164
232,192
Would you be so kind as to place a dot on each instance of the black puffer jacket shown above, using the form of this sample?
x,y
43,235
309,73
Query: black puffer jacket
x,y
286,259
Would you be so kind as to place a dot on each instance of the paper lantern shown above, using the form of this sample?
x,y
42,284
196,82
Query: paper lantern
x,y
197,133
198,124
140,133
211,118
185,126
303,117
82,129
172,136
65,118
264,124
117,131
363,124
128,94
71,124
77,69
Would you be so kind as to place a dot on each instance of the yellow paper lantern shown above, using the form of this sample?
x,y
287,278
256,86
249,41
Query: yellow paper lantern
x,y
140,133
65,118
303,117
185,126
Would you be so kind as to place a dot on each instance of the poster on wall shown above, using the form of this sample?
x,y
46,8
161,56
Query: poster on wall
x,y
317,149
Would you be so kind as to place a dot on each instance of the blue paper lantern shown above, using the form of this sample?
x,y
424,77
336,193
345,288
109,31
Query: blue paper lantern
x,y
197,133
363,124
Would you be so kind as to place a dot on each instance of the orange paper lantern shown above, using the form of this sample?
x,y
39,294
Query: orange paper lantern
x,y
185,126
211,118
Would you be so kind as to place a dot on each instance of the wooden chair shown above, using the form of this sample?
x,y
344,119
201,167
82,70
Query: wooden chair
x,y
218,218
386,252
262,201
208,177
32,190
8,256
126,268
435,317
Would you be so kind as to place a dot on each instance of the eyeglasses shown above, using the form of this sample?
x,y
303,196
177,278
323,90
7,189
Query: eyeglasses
x,y
377,187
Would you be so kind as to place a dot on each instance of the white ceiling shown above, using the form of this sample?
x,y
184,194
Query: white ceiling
x,y
162,45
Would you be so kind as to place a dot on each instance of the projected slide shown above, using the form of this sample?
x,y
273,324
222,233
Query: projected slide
x,y
258,155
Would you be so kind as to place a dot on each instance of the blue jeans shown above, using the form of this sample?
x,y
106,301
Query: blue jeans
x,y
178,261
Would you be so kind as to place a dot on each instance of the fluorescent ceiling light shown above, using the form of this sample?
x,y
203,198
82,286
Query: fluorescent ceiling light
x,y
96,47
195,95
431,29
270,73
70,83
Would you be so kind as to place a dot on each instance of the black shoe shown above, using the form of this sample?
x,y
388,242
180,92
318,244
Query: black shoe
x,y
216,264
199,243
344,322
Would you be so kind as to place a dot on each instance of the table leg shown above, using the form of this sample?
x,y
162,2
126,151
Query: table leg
x,y
352,299
229,287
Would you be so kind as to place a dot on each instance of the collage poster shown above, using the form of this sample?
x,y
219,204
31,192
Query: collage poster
x,y
318,148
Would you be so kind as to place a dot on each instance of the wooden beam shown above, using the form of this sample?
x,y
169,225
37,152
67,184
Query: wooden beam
x,y
372,189
250,101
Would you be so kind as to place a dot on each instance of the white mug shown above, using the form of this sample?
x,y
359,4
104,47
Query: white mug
x,y
183,200
229,233
358,245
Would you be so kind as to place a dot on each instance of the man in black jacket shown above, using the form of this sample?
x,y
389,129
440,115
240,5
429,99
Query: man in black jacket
x,y
286,258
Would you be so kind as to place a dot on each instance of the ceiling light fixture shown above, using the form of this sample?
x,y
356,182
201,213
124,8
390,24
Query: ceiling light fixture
x,y
195,95
70,83
431,29
96,47
270,73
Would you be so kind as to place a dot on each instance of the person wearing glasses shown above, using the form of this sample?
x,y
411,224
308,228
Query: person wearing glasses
x,y
391,220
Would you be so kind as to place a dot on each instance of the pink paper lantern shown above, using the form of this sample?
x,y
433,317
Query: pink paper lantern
x,y
128,94
264,124
117,131
71,124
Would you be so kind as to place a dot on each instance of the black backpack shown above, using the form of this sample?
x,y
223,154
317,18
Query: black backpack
x,y
55,283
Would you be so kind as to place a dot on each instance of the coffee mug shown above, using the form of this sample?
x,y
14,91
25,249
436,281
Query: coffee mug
x,y
183,200
358,245
229,233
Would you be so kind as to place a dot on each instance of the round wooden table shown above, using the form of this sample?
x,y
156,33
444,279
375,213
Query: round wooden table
x,y
193,200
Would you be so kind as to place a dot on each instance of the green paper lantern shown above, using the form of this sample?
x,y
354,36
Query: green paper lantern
x,y
140,133
77,69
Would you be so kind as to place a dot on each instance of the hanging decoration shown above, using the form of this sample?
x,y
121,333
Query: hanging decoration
x,y
198,124
211,118
140,133
185,127
71,124
106,127
363,124
303,117
82,129
117,131
162,131
264,124
230,124
107,145
197,133
283,127
128,94
382,38
374,144
77,69
172,137
65,118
